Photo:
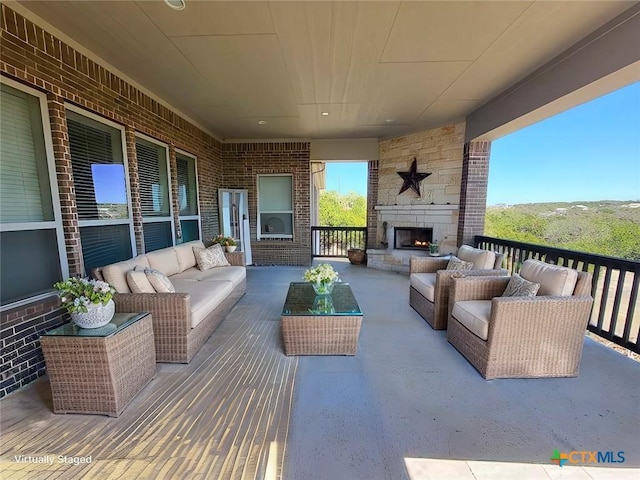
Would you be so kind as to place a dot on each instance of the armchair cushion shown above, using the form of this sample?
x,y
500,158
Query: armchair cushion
x,y
481,259
553,280
457,264
184,252
475,315
519,287
424,283
116,273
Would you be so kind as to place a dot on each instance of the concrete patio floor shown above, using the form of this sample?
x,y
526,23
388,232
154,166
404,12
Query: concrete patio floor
x,y
408,406
408,399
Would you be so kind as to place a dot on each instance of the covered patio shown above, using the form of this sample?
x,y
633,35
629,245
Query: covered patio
x,y
407,406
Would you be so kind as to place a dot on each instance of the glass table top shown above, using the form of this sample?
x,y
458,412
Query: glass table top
x,y
120,321
302,300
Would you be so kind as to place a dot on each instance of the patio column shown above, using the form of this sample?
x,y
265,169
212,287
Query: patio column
x,y
473,191
372,201
134,185
64,178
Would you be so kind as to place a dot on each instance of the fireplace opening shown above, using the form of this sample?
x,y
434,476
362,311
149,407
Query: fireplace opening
x,y
412,238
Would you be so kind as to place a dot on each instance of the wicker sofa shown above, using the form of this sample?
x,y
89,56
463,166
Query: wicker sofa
x,y
184,320
430,282
518,336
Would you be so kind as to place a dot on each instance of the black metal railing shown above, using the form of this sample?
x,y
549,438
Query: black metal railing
x,y
614,288
336,241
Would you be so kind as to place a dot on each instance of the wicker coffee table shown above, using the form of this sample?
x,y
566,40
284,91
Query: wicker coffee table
x,y
100,370
320,325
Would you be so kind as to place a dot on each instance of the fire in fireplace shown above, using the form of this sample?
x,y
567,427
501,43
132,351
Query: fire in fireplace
x,y
412,238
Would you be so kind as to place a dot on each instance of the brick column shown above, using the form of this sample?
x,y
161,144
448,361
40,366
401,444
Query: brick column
x,y
64,177
173,165
134,185
372,201
473,191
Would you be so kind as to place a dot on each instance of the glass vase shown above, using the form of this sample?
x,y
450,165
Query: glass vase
x,y
323,288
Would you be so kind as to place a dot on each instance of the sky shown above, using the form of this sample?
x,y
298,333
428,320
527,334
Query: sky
x,y
345,177
591,152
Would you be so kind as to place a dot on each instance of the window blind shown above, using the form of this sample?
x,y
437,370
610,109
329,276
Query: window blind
x,y
104,245
98,169
187,188
25,193
157,235
152,172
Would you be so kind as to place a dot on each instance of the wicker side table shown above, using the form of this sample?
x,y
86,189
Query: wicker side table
x,y
329,327
100,371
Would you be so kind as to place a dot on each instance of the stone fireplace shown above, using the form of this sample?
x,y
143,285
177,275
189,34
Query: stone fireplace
x,y
439,152
412,238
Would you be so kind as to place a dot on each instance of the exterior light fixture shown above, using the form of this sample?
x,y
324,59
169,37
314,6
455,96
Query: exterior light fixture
x,y
176,4
390,120
261,122
325,114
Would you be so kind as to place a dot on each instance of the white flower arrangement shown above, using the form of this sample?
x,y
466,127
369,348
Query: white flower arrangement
x,y
323,273
76,294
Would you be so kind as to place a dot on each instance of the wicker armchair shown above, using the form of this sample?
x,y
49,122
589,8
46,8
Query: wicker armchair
x,y
526,337
430,283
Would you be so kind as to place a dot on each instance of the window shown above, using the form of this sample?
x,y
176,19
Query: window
x,y
100,181
188,197
32,257
275,206
154,194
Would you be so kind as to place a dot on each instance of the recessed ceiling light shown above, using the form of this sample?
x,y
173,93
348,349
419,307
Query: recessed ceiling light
x,y
261,122
175,4
325,114
390,120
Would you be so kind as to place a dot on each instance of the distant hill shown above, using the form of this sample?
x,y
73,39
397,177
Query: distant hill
x,y
605,227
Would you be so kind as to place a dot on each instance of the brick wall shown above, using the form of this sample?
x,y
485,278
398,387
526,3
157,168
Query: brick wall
x,y
32,56
372,201
20,329
473,191
242,163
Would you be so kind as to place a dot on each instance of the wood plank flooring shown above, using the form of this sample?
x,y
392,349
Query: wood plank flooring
x,y
223,416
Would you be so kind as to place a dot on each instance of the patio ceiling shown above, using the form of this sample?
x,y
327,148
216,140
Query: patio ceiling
x,y
378,69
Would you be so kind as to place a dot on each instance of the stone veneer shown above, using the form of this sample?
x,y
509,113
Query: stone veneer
x,y
439,152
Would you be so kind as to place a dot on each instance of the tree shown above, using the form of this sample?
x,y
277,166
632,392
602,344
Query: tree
x,y
337,210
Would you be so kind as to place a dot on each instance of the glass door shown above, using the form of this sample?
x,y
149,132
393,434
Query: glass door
x,y
233,205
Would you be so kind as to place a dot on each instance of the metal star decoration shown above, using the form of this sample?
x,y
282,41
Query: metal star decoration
x,y
412,179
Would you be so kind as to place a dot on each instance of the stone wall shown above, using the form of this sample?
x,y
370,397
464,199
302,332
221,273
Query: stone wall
x,y
439,152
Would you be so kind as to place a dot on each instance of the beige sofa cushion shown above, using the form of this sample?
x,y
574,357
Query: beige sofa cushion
x,y
212,257
159,281
184,252
232,274
116,273
481,259
473,314
553,280
138,281
424,283
165,261
203,296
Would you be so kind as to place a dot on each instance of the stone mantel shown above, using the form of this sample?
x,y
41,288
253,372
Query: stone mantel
x,y
416,208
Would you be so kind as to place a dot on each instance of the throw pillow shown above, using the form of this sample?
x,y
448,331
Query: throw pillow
x,y
211,257
519,287
138,281
456,264
159,281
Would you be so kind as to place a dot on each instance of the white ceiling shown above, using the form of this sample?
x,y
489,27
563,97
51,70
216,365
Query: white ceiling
x,y
378,68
